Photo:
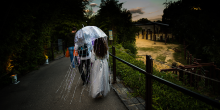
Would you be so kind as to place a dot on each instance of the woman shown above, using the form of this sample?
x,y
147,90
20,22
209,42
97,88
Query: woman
x,y
99,86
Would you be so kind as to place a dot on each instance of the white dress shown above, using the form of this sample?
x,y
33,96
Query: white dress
x,y
99,76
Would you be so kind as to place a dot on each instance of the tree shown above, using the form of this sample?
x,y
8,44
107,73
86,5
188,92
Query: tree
x,y
143,20
112,16
159,21
30,25
190,24
89,13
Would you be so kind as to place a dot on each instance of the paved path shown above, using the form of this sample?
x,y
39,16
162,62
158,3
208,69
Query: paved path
x,y
36,91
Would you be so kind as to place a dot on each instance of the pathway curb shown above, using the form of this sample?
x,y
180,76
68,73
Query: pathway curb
x,y
132,103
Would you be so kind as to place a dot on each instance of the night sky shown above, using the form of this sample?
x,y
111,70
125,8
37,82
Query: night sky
x,y
150,9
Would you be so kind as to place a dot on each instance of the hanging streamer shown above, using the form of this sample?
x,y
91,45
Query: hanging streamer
x,y
68,81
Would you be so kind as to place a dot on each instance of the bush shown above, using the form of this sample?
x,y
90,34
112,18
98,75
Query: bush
x,y
132,48
164,97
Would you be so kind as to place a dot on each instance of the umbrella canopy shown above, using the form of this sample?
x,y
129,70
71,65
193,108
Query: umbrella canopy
x,y
88,34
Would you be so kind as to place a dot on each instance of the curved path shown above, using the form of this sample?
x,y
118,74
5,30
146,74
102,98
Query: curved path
x,y
37,91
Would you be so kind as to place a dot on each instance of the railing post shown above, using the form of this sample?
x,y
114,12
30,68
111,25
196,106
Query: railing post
x,y
198,60
114,65
185,53
194,61
181,74
199,78
188,77
187,57
211,75
218,78
191,79
206,80
196,77
215,77
52,51
190,59
148,95
184,74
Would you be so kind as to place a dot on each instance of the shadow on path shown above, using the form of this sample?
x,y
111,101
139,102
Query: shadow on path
x,y
37,91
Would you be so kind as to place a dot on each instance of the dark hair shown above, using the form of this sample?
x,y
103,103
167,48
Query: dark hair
x,y
100,47
74,28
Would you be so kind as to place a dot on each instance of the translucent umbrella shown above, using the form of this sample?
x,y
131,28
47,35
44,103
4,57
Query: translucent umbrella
x,y
88,34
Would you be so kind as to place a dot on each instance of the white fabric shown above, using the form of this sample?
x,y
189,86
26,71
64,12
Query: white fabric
x,y
99,72
99,76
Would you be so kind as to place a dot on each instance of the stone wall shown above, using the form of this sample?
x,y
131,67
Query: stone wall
x,y
151,28
157,35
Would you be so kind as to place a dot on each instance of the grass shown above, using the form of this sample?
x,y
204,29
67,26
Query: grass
x,y
171,61
155,48
158,47
169,47
168,41
161,58
164,97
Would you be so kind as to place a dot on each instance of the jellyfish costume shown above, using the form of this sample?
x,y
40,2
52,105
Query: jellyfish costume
x,y
99,77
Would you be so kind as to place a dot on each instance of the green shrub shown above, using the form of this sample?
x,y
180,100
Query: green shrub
x,y
131,47
164,97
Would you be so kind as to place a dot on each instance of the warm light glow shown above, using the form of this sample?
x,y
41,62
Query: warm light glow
x,y
46,56
87,11
9,67
12,75
198,8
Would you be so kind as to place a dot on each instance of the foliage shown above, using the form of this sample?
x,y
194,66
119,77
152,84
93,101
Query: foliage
x,y
153,48
89,13
142,20
197,27
179,56
164,97
159,21
111,16
31,27
131,48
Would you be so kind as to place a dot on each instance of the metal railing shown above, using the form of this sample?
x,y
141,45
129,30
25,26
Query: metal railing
x,y
213,73
148,72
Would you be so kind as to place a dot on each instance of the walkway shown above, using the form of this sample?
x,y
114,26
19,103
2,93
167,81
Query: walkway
x,y
37,91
